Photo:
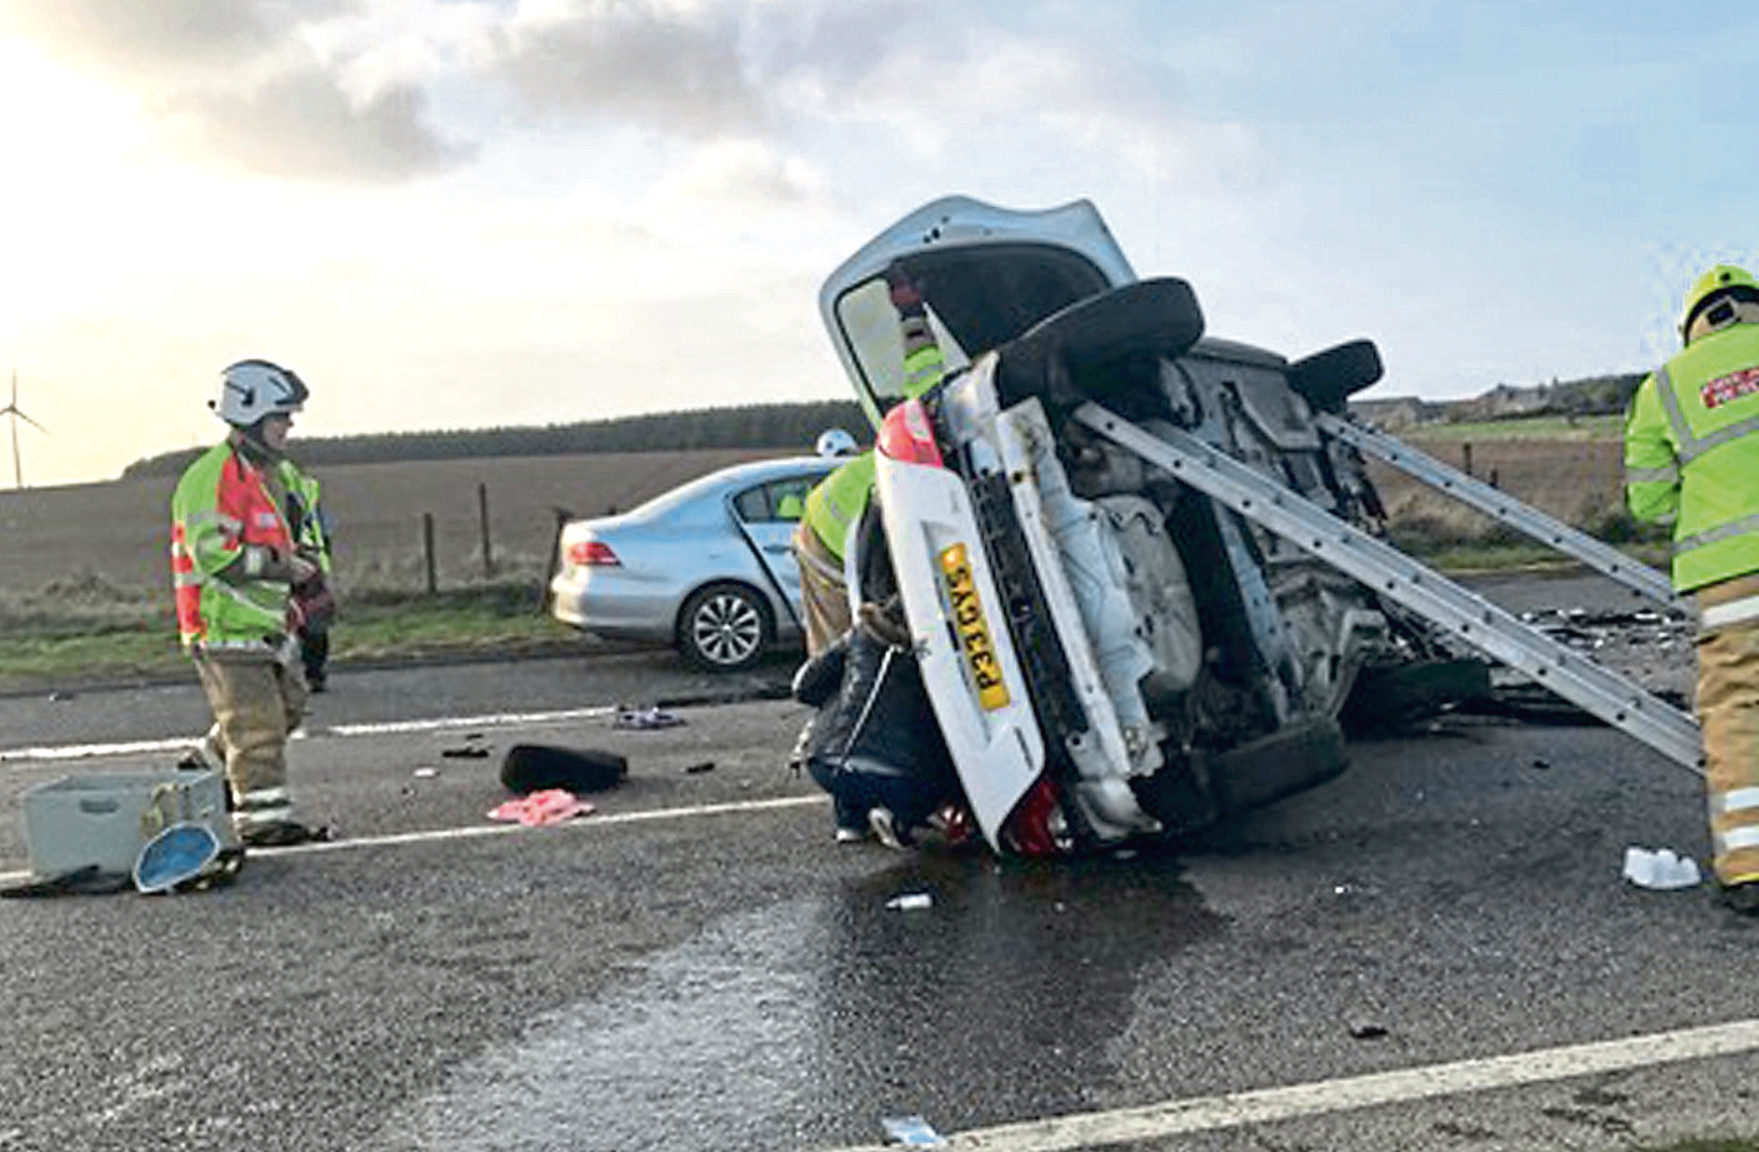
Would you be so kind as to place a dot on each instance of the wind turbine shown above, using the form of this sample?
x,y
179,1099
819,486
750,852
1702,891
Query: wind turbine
x,y
17,414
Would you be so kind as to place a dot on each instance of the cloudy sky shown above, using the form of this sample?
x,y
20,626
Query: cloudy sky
x,y
464,213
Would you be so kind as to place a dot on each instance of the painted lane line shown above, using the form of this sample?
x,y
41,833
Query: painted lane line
x,y
476,831
88,751
488,720
179,744
585,822
1268,1105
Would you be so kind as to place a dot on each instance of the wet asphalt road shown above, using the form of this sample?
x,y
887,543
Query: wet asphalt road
x,y
697,966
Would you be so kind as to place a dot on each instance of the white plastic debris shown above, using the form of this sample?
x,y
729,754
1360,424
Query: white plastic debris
x,y
1661,869
912,1131
911,901
425,773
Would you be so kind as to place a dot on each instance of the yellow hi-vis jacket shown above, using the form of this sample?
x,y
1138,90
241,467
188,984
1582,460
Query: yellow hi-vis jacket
x,y
1692,455
230,545
835,505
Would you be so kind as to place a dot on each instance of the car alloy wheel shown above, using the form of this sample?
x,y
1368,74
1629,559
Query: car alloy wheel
x,y
724,627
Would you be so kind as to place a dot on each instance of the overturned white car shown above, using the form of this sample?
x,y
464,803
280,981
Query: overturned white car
x,y
1098,528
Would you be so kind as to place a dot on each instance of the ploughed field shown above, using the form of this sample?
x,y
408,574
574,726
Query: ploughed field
x,y
116,532
1578,481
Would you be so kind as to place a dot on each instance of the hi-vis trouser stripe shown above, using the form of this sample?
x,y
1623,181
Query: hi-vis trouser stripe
x,y
1728,671
1728,615
262,807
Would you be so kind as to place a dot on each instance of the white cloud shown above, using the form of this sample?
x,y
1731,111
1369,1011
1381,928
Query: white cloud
x,y
244,84
674,66
480,211
302,124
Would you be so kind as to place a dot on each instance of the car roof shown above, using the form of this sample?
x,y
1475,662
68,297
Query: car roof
x,y
725,480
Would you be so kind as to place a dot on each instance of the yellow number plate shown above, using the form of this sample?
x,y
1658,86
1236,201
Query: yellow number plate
x,y
980,654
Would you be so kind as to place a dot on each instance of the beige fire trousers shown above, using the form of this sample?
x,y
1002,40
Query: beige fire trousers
x,y
824,597
256,703
1728,713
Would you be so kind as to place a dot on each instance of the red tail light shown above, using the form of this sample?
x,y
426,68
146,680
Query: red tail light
x,y
907,434
1029,830
592,554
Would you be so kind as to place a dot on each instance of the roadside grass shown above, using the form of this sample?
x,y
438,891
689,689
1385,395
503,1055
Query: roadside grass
x,y
85,630
1456,539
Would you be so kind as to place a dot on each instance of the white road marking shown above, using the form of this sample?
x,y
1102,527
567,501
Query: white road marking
x,y
1078,1131
489,720
179,744
1267,1105
476,831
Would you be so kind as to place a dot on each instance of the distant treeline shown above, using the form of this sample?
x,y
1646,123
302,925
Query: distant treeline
x,y
781,426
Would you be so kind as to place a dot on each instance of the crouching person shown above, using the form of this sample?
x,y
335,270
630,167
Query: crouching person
x,y
874,744
234,564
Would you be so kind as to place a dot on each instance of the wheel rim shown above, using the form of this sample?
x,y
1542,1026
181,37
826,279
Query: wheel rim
x,y
726,629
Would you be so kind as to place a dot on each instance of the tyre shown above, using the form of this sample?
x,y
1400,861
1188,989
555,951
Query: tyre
x,y
723,628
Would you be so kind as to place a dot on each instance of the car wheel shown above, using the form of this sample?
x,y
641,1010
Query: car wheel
x,y
723,628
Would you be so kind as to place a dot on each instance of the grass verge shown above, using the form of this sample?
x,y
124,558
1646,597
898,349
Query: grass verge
x,y
84,631
55,639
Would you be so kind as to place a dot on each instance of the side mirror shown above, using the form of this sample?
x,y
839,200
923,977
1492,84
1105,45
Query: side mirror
x,y
1326,379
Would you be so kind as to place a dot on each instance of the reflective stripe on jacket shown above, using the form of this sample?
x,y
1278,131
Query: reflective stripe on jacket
x,y
1691,456
229,549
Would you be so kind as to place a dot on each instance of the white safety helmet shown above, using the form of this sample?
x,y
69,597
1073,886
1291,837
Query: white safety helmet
x,y
836,442
253,389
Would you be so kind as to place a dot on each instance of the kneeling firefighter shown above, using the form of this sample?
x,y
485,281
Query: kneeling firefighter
x,y
874,744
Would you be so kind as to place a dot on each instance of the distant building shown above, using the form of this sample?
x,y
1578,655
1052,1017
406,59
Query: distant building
x,y
1399,412
1506,402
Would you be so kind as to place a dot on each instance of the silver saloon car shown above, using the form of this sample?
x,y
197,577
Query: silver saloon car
x,y
707,566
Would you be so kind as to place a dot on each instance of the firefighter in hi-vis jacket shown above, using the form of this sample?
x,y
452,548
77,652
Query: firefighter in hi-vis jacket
x,y
835,506
234,563
1692,457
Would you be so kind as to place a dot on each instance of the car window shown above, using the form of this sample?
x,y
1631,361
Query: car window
x,y
779,500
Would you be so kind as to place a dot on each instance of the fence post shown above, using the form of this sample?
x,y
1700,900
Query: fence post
x,y
543,593
482,514
427,552
1466,457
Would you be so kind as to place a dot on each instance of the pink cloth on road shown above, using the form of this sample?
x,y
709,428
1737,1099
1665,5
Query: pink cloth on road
x,y
548,806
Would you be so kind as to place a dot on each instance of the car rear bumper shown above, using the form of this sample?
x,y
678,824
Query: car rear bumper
x,y
982,702
582,599
1059,707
